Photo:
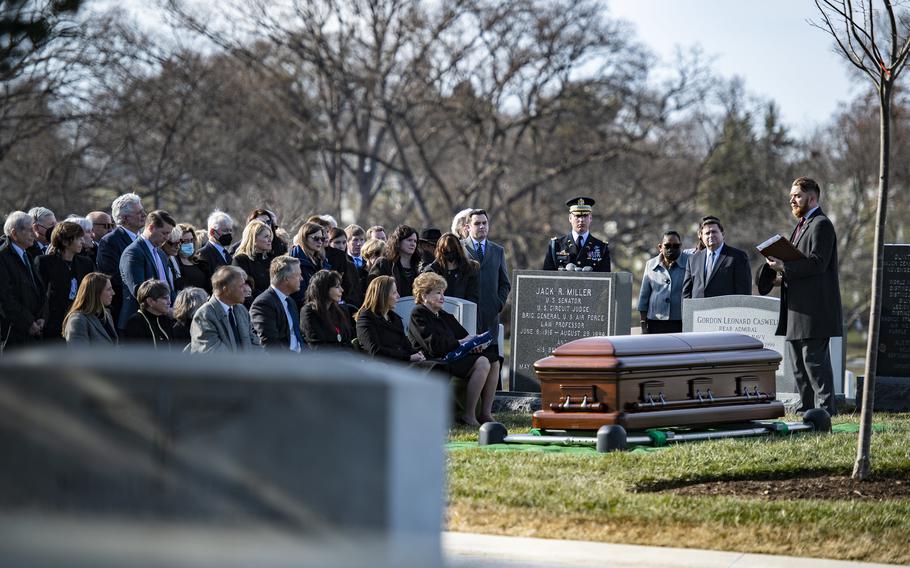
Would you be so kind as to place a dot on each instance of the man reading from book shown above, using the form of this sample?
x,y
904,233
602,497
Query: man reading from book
x,y
810,306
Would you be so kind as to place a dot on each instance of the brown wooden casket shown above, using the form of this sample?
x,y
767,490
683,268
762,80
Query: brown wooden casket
x,y
653,381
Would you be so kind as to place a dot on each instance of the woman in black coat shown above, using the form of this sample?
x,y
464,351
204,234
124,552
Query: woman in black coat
x,y
380,330
254,255
399,259
438,333
152,324
323,321
453,264
62,270
309,249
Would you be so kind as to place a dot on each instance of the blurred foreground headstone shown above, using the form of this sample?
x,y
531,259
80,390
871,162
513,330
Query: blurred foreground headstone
x,y
116,458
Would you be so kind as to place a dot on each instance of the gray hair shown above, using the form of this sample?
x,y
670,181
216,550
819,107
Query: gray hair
x,y
282,267
17,221
225,276
188,301
124,205
460,219
38,213
329,219
83,222
218,220
176,234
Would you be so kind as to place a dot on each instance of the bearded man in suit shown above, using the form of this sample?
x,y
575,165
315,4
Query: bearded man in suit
x,y
810,303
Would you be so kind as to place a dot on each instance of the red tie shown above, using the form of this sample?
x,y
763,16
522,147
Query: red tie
x,y
799,229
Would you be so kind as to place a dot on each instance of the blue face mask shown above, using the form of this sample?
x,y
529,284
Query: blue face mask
x,y
187,249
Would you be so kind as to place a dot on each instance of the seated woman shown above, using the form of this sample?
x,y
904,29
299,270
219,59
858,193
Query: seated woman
x,y
152,323
399,261
453,264
325,322
309,249
437,332
88,321
380,330
185,305
62,270
254,255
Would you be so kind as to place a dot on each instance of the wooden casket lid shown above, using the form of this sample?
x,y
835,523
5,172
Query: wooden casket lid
x,y
657,350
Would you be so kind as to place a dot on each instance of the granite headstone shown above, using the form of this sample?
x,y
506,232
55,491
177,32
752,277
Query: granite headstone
x,y
756,316
552,308
892,384
318,450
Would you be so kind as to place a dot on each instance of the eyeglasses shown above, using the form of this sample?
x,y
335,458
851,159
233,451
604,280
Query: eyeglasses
x,y
316,238
672,245
105,225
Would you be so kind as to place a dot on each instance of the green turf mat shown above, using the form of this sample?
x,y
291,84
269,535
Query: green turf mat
x,y
853,428
845,428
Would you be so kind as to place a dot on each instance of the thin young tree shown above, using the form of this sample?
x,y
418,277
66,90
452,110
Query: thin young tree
x,y
881,55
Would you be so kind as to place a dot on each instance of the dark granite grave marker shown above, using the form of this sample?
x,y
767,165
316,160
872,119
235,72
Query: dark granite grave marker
x,y
552,308
892,383
894,334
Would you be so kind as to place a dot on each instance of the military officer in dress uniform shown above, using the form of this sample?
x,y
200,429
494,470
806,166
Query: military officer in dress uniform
x,y
579,247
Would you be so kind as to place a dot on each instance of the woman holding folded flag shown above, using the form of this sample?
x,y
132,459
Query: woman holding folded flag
x,y
438,334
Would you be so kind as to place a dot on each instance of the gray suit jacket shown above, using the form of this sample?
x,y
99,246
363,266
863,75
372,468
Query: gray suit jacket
x,y
83,329
810,306
493,284
210,331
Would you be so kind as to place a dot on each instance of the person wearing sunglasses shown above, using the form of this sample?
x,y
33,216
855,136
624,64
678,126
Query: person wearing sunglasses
x,y
309,249
660,300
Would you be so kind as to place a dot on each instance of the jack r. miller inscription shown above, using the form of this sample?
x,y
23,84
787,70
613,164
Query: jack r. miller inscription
x,y
552,308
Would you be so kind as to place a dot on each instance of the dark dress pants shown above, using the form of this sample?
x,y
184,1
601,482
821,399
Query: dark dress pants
x,y
664,326
811,363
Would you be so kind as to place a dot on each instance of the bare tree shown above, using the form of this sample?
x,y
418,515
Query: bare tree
x,y
881,59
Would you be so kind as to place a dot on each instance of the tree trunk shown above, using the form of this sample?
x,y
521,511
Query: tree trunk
x,y
862,467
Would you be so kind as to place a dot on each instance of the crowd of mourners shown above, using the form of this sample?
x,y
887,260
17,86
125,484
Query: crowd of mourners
x,y
131,276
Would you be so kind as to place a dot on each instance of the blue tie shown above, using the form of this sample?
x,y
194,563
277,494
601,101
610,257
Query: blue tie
x,y
480,252
295,320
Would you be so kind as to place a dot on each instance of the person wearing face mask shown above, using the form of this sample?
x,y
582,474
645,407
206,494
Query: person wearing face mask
x,y
460,272
216,252
43,223
579,248
660,300
194,270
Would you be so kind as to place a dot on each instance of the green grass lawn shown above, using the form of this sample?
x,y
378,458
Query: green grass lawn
x,y
605,497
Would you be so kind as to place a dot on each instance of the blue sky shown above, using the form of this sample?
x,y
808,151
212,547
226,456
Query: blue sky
x,y
766,42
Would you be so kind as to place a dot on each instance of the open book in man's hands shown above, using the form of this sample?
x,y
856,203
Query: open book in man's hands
x,y
779,247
